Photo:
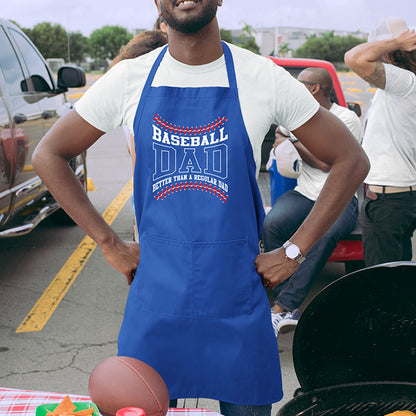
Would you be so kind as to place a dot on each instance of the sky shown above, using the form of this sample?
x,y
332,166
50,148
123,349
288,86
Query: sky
x,y
87,15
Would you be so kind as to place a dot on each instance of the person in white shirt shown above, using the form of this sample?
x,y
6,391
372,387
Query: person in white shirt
x,y
199,110
388,215
291,208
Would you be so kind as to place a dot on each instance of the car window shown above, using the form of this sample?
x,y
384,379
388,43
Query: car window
x,y
36,66
294,71
10,66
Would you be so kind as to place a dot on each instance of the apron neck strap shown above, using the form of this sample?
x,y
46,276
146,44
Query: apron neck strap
x,y
229,63
155,66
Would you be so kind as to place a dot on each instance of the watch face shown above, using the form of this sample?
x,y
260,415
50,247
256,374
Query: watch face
x,y
292,251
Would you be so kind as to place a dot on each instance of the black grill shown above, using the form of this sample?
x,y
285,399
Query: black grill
x,y
354,346
355,399
359,409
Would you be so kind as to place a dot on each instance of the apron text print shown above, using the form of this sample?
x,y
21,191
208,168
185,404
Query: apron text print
x,y
190,158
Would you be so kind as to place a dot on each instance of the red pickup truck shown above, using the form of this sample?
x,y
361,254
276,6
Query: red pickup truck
x,y
350,249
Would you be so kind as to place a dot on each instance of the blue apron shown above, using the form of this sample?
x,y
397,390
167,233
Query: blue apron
x,y
197,311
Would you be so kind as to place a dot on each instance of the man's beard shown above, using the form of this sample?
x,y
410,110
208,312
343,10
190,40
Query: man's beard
x,y
191,24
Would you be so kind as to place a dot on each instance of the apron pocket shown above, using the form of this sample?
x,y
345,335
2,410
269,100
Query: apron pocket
x,y
163,276
223,278
180,278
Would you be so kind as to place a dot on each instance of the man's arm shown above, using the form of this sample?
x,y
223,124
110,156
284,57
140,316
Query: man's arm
x,y
326,137
310,159
304,153
365,59
69,137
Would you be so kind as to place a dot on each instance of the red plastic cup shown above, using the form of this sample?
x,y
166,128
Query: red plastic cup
x,y
130,411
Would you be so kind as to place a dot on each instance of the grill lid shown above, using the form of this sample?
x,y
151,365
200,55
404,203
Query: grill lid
x,y
360,328
358,399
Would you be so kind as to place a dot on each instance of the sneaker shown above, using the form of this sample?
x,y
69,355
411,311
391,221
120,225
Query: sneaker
x,y
288,322
276,319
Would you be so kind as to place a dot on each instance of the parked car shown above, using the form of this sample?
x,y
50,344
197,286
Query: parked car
x,y
31,100
349,250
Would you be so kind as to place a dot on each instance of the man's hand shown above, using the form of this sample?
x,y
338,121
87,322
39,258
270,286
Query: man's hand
x,y
275,267
407,40
366,59
279,138
124,256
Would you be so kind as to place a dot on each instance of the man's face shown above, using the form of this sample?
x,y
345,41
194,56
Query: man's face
x,y
188,16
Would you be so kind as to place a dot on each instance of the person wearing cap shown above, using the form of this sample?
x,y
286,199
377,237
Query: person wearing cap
x,y
292,207
388,62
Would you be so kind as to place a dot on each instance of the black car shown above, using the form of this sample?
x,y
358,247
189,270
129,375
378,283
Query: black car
x,y
31,100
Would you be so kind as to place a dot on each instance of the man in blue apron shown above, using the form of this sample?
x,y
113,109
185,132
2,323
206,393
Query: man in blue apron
x,y
199,110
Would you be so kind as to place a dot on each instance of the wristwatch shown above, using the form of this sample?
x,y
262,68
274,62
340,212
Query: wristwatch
x,y
293,252
293,139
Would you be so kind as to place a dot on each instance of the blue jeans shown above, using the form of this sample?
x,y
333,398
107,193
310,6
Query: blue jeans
x,y
287,214
229,409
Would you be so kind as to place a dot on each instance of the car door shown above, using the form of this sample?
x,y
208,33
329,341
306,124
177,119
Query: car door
x,y
26,116
43,82
6,145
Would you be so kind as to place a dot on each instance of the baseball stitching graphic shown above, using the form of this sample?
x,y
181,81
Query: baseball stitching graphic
x,y
190,131
190,158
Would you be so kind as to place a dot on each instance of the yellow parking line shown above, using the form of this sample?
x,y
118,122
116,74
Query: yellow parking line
x,y
90,185
75,95
354,89
55,292
349,94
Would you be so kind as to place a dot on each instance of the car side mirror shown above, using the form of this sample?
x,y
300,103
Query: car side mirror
x,y
70,76
355,107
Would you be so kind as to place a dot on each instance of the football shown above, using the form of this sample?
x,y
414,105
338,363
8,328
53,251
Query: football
x,y
119,382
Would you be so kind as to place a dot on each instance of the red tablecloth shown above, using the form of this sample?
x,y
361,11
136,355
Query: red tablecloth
x,y
24,402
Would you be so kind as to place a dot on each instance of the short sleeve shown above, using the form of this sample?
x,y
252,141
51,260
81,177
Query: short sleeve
x,y
100,105
353,123
294,105
399,82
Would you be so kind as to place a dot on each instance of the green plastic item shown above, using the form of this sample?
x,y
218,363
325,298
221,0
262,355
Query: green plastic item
x,y
42,409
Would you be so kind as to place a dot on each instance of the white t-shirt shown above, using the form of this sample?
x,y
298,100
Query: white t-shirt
x,y
311,180
390,136
268,93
